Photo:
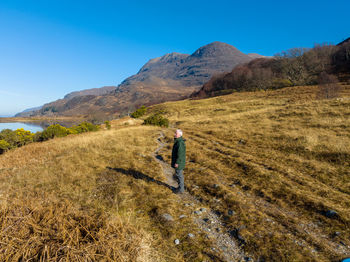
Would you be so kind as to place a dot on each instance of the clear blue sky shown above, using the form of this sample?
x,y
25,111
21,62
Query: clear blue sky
x,y
49,48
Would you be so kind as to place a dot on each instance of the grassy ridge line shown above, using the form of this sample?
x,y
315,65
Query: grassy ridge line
x,y
78,199
279,159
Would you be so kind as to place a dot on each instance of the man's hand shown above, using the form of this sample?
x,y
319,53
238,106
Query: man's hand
x,y
176,165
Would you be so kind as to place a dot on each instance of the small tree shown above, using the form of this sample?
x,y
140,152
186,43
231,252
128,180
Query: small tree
x,y
139,112
54,131
23,137
17,138
4,146
108,124
38,137
328,86
9,136
84,127
156,120
280,83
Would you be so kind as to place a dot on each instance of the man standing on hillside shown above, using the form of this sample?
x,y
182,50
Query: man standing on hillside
x,y
178,159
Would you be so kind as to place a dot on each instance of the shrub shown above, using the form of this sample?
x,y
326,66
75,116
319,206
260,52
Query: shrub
x,y
4,146
23,137
76,130
16,138
9,136
156,120
61,131
139,112
108,124
280,83
84,127
54,131
37,137
20,137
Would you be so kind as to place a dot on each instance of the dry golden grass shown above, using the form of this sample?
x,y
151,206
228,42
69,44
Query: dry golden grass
x,y
279,159
79,198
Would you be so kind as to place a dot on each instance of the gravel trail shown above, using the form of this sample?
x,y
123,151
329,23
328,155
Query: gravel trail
x,y
204,217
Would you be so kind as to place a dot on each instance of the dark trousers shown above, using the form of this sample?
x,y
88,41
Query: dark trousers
x,y
180,179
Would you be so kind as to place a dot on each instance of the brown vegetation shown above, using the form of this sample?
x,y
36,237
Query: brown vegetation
x,y
296,66
88,197
328,86
278,159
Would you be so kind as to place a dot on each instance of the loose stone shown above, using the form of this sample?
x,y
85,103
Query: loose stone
x,y
167,217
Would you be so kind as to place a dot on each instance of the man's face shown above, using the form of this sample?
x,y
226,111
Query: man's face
x,y
176,135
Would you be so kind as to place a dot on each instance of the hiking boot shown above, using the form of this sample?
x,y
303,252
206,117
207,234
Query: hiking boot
x,y
178,191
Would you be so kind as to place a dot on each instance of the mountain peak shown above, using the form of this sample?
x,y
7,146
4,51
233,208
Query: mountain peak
x,y
215,49
195,69
219,44
159,62
172,57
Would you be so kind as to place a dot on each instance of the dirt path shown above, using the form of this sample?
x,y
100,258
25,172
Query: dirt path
x,y
206,219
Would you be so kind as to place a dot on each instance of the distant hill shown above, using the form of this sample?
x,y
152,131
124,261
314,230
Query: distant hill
x,y
170,77
293,67
94,91
28,112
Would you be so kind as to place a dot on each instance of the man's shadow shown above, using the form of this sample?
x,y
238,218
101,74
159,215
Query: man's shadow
x,y
138,175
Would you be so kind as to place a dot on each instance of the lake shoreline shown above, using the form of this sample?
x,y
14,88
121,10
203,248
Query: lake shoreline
x,y
35,124
40,119
27,126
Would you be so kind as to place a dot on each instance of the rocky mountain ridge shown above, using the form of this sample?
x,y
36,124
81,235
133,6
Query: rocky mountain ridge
x,y
170,77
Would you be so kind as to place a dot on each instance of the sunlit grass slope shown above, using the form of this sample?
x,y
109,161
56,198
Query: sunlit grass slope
x,y
278,159
82,198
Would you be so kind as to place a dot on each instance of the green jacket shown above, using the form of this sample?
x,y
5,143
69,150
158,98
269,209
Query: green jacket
x,y
178,155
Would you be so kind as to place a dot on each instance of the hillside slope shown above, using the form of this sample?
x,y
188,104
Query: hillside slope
x,y
87,92
280,161
272,166
294,67
28,112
